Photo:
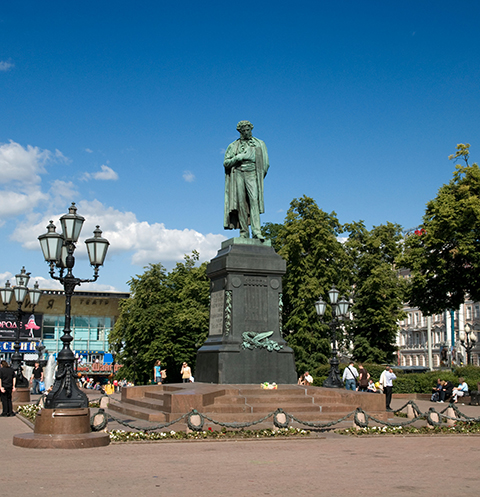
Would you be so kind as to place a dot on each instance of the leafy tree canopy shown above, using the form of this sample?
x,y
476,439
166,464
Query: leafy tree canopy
x,y
444,255
165,318
378,291
315,261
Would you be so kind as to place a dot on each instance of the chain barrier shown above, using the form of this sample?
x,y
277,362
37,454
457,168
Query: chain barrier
x,y
196,420
149,428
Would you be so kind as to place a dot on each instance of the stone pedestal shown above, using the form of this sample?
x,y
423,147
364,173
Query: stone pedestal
x,y
62,429
245,343
21,396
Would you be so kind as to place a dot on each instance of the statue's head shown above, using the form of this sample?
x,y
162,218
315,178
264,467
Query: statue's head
x,y
244,126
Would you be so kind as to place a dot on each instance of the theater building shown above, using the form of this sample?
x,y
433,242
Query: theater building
x,y
93,315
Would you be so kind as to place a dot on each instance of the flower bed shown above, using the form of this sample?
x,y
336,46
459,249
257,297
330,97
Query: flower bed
x,y
134,436
30,410
459,428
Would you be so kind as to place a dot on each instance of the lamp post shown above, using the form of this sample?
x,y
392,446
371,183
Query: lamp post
x,y
58,252
468,339
20,290
339,311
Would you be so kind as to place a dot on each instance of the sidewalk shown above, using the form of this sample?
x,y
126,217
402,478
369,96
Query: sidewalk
x,y
335,465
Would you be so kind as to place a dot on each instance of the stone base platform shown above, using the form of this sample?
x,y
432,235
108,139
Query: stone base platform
x,y
62,429
81,441
243,403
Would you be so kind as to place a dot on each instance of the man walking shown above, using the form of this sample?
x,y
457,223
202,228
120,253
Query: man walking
x,y
350,374
36,378
7,386
386,380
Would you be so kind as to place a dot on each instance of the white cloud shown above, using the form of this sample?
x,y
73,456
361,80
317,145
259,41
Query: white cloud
x,y
62,190
89,151
106,174
14,203
188,176
148,243
6,276
6,65
20,176
22,164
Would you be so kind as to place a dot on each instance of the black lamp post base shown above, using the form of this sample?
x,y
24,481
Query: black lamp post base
x,y
333,381
65,393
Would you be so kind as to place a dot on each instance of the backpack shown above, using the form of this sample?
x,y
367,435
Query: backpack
x,y
435,397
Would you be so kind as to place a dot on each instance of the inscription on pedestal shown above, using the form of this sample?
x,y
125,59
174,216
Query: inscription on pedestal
x,y
256,303
217,306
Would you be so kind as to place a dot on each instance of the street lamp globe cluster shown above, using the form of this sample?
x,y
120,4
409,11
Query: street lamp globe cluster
x,y
20,290
58,249
339,312
468,338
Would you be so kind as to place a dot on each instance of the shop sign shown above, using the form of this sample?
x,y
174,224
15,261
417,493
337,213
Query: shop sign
x,y
24,346
30,326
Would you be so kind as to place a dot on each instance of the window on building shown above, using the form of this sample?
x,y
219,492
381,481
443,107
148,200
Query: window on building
x,y
49,323
477,311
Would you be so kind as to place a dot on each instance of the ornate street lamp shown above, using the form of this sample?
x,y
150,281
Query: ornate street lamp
x,y
468,339
20,291
58,252
339,311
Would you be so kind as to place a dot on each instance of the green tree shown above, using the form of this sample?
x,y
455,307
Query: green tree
x,y
165,318
444,254
315,261
378,289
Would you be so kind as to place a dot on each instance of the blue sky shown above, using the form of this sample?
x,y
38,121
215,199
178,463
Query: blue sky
x,y
126,108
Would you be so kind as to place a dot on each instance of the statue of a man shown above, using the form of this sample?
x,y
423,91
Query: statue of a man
x,y
246,164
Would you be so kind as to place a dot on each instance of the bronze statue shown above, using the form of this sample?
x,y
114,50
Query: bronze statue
x,y
246,164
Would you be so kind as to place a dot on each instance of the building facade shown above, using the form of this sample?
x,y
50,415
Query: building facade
x,y
93,315
412,339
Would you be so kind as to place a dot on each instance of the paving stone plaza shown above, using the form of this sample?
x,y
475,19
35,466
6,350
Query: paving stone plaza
x,y
328,464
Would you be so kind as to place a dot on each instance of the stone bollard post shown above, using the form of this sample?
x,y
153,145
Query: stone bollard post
x,y
434,417
279,420
361,418
450,412
104,402
410,411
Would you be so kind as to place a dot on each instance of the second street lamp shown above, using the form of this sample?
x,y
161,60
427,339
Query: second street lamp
x,y
339,311
468,339
20,290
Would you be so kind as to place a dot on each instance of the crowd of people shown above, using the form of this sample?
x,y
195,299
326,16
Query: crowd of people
x,y
360,380
109,387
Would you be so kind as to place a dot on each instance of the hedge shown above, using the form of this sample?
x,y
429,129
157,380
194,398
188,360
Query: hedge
x,y
409,382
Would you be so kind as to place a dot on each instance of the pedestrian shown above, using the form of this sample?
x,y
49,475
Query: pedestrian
x,y
371,386
363,377
308,380
350,375
460,391
7,386
157,374
386,380
163,374
186,372
36,378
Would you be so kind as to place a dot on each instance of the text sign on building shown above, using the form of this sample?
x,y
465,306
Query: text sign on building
x,y
30,326
217,307
24,347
